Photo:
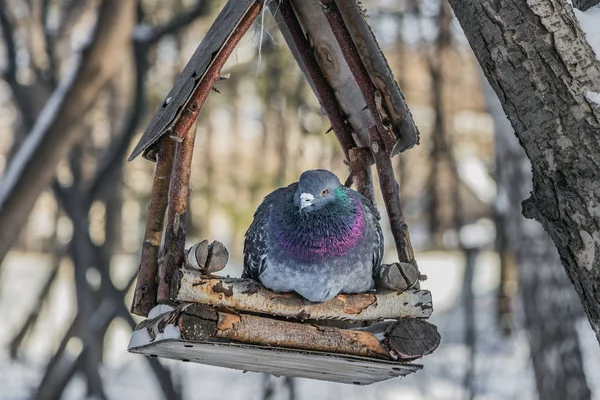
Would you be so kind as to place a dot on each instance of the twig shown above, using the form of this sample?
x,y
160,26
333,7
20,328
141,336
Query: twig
x,y
183,19
362,177
113,157
57,378
52,70
145,290
164,379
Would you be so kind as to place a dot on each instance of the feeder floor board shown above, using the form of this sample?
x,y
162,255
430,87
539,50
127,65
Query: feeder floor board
x,y
279,361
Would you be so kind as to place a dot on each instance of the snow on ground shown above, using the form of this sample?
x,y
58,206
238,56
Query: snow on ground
x,y
590,23
502,368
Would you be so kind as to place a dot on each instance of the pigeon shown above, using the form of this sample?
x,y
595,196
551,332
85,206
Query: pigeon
x,y
314,237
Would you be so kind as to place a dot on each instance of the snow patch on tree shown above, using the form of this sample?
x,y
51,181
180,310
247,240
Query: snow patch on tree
x,y
594,97
170,332
159,309
139,338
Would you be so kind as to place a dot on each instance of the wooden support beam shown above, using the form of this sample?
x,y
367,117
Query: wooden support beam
x,y
300,46
381,75
179,191
372,97
144,297
381,136
360,169
391,199
250,296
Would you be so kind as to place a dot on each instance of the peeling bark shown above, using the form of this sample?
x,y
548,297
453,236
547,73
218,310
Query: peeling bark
x,y
540,65
251,296
207,258
179,191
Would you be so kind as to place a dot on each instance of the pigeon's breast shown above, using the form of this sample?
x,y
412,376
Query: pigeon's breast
x,y
319,237
323,278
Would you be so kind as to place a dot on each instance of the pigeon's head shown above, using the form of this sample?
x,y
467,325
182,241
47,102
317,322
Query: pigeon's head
x,y
316,189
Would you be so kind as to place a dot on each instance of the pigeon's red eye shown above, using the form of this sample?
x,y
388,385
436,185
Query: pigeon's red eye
x,y
324,192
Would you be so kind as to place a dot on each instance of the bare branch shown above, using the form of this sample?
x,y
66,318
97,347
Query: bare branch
x,y
32,168
9,42
142,42
584,5
150,36
17,340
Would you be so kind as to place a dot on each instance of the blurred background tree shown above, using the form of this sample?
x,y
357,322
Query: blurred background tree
x,y
81,78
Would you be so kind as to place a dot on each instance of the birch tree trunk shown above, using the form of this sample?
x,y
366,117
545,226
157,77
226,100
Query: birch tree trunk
x,y
537,60
549,302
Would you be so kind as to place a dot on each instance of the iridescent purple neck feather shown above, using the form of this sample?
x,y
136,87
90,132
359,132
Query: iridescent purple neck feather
x,y
332,231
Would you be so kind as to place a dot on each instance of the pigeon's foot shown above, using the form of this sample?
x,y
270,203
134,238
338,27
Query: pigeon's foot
x,y
397,276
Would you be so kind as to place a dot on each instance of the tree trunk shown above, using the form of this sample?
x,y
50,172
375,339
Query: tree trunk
x,y
540,65
549,302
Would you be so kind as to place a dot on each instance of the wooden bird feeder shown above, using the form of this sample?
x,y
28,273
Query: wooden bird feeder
x,y
193,315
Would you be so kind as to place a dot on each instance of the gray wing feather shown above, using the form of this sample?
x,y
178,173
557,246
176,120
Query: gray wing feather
x,y
378,244
257,236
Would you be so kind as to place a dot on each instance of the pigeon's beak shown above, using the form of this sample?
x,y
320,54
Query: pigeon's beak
x,y
306,199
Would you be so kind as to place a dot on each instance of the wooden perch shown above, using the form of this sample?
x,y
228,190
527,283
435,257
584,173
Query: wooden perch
x,y
200,323
144,297
207,258
251,296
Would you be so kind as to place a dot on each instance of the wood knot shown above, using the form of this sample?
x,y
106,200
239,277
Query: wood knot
x,y
375,147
